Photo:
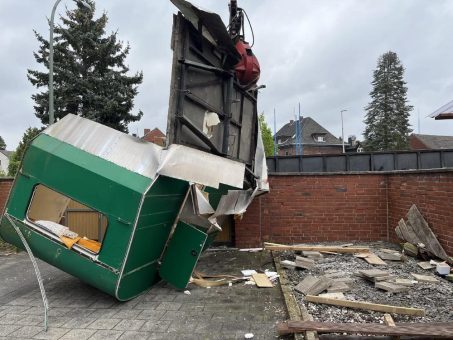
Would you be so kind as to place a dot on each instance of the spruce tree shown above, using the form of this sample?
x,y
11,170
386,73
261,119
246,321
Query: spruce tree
x,y
2,143
90,75
387,115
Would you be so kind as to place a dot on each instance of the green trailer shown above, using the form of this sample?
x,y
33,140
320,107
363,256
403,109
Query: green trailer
x,y
145,213
137,189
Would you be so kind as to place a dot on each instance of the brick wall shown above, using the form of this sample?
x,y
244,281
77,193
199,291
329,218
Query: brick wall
x,y
433,195
345,207
5,186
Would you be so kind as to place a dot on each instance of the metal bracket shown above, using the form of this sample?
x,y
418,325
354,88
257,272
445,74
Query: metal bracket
x,y
35,266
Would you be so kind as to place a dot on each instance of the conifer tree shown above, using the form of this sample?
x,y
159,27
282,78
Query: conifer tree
x,y
387,115
90,75
2,143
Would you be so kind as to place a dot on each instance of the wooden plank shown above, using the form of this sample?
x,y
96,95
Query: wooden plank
x,y
424,233
338,287
425,278
337,295
405,232
281,247
367,306
312,254
400,329
373,272
391,256
323,283
262,281
405,282
288,264
375,260
296,311
305,285
391,287
425,265
388,320
304,262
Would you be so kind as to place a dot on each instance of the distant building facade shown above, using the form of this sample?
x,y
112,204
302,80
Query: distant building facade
x,y
426,142
154,136
316,140
4,160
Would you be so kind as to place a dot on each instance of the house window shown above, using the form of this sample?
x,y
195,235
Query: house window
x,y
319,138
72,223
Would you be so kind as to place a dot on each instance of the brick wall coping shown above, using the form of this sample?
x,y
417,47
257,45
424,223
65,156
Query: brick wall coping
x,y
355,173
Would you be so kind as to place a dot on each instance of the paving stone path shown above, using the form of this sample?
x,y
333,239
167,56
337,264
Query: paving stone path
x,y
78,311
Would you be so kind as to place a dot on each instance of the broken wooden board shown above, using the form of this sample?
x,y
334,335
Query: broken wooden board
x,y
288,264
313,285
322,285
262,281
391,287
315,255
371,258
338,296
405,282
424,233
400,329
375,260
425,265
391,256
282,247
367,306
425,278
303,262
338,287
405,232
371,273
305,285
388,320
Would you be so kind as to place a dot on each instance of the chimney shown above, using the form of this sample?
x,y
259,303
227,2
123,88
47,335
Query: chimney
x,y
291,121
146,131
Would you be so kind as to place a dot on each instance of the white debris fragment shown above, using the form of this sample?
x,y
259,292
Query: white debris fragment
x,y
187,292
248,272
249,336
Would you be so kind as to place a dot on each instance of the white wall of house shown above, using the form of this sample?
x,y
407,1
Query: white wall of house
x,y
4,162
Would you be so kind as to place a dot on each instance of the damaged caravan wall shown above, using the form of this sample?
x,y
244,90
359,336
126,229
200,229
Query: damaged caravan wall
x,y
149,211
208,108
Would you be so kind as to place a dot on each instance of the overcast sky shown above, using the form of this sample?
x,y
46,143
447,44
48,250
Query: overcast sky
x,y
320,53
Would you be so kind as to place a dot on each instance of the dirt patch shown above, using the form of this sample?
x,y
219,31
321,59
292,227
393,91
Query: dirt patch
x,y
6,249
435,298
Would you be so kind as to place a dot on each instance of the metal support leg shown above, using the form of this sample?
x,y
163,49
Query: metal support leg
x,y
35,265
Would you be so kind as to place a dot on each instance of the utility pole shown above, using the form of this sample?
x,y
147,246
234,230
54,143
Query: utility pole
x,y
342,129
51,107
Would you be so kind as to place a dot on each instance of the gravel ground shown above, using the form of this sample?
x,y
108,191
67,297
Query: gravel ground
x,y
435,298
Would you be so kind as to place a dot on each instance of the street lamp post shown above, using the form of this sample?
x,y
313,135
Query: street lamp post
x,y
342,130
51,107
51,101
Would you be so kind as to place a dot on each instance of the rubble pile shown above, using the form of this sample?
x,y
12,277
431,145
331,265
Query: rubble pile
x,y
398,281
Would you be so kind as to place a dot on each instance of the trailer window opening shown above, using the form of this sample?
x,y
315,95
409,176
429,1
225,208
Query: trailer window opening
x,y
72,222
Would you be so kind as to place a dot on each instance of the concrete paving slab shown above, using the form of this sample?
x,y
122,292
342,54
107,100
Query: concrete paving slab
x,y
79,311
